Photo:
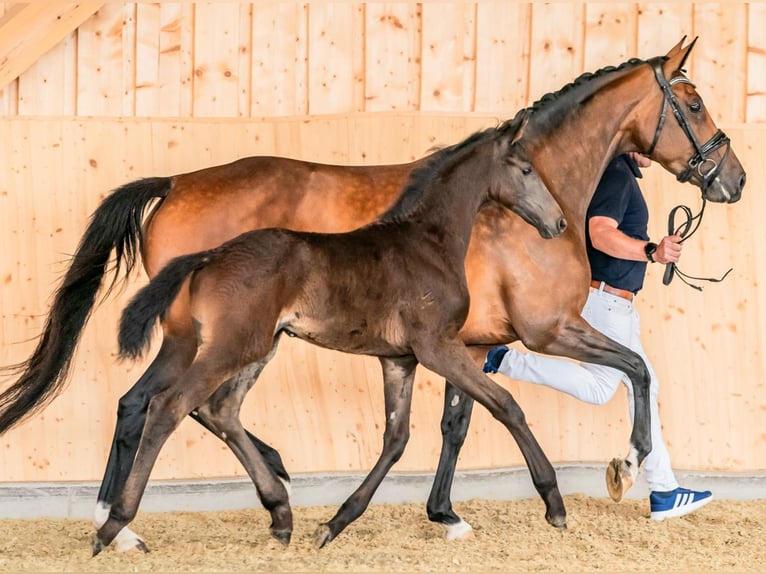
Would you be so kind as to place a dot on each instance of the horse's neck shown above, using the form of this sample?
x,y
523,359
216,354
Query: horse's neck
x,y
448,204
576,152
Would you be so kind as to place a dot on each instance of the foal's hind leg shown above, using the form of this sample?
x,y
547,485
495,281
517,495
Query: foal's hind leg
x,y
165,412
398,376
221,414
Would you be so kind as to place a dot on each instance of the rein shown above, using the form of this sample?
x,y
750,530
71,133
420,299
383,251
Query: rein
x,y
696,162
685,231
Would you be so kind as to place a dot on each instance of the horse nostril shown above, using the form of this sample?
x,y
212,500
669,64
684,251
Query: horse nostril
x,y
742,181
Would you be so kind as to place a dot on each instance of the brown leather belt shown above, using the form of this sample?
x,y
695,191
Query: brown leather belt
x,y
625,294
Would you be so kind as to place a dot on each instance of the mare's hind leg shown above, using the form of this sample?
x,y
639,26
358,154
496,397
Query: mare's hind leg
x,y
452,360
171,360
131,414
165,412
456,417
398,376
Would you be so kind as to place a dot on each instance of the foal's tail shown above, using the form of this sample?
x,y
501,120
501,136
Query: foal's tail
x,y
152,301
115,225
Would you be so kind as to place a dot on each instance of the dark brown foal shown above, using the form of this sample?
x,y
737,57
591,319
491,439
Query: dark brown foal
x,y
395,289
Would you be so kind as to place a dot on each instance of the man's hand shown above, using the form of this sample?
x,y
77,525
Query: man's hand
x,y
669,249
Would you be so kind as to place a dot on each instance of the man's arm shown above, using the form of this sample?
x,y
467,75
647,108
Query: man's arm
x,y
605,237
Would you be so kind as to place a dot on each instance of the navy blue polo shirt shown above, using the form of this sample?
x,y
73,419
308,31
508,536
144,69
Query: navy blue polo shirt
x,y
619,197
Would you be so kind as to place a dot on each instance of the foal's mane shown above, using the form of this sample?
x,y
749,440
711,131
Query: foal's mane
x,y
440,164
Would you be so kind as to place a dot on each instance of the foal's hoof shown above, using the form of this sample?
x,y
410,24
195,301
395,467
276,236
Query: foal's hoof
x,y
96,546
322,536
618,479
282,535
559,522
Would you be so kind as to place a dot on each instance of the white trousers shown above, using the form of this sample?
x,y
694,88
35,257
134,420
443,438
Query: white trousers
x,y
597,384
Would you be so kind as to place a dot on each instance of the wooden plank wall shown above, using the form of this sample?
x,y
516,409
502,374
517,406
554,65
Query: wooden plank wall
x,y
156,89
227,59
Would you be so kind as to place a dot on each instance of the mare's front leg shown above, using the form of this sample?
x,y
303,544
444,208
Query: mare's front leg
x,y
452,360
398,377
578,340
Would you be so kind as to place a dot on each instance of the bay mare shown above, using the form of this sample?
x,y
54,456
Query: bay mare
x,y
522,288
394,288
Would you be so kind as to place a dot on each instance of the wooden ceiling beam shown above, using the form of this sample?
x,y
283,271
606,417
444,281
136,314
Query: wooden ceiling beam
x,y
29,30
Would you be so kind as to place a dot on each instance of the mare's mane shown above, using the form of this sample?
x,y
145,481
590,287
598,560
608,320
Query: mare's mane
x,y
440,165
552,108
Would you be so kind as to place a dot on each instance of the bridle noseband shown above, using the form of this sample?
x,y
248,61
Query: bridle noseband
x,y
700,158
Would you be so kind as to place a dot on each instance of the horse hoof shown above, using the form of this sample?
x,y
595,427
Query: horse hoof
x,y
618,479
282,535
322,536
559,522
457,531
96,546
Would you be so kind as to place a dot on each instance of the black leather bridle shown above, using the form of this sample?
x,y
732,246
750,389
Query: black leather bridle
x,y
696,162
701,157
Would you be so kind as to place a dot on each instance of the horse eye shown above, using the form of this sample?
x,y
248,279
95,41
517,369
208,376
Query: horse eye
x,y
526,170
695,107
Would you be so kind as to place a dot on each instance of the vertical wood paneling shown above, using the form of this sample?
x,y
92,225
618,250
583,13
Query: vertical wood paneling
x,y
283,59
392,53
164,59
557,46
610,30
447,74
756,64
219,60
48,87
336,39
105,59
720,60
661,25
502,57
280,59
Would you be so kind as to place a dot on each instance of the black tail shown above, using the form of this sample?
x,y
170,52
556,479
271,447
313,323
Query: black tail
x,y
152,301
115,225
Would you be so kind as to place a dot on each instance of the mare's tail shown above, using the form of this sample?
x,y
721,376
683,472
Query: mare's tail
x,y
115,225
152,301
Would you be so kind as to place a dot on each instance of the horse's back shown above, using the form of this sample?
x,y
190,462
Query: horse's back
x,y
210,206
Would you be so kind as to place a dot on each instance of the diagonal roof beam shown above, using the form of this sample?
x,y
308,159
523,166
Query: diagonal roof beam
x,y
28,31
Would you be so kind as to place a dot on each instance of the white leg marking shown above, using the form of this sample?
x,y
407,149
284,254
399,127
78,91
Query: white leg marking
x,y
126,539
458,531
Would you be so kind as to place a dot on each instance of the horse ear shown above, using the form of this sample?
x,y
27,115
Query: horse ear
x,y
677,55
522,119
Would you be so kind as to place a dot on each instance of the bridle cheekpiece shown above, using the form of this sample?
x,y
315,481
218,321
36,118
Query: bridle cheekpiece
x,y
700,158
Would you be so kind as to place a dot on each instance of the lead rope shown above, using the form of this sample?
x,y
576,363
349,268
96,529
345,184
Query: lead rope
x,y
685,231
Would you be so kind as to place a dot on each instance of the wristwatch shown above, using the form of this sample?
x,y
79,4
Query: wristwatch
x,y
650,248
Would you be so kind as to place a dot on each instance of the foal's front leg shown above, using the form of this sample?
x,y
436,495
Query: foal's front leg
x,y
452,360
398,377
